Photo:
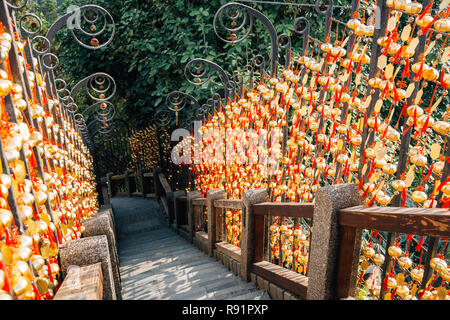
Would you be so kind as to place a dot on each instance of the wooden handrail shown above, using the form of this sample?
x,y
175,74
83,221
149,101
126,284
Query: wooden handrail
x,y
229,204
118,177
284,209
164,183
423,221
199,202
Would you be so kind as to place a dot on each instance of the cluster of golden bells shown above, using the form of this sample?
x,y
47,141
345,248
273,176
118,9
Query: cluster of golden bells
x,y
317,108
46,181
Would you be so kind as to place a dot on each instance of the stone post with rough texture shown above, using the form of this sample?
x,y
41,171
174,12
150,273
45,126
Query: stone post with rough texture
x,y
211,196
104,190
249,198
130,185
176,217
100,225
109,184
325,239
191,212
87,251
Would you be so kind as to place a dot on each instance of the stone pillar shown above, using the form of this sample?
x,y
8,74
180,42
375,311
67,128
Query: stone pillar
x,y
131,185
212,217
177,194
249,198
105,191
191,213
100,225
87,251
141,176
325,239
156,172
110,185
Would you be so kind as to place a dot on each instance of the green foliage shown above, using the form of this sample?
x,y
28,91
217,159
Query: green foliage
x,y
155,39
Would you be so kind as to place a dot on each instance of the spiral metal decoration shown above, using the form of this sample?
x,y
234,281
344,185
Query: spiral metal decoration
x,y
17,7
235,17
302,31
100,86
89,21
162,118
177,100
198,72
30,25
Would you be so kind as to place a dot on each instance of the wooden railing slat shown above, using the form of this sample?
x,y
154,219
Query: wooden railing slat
x,y
423,221
285,209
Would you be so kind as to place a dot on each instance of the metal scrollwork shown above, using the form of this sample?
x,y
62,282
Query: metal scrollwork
x,y
238,15
88,21
198,71
100,86
162,118
18,7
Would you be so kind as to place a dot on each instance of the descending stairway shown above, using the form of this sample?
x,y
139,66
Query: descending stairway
x,y
156,263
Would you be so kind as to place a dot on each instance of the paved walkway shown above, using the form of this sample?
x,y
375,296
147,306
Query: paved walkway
x,y
156,263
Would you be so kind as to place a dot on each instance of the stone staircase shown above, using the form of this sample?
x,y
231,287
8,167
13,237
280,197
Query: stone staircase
x,y
157,264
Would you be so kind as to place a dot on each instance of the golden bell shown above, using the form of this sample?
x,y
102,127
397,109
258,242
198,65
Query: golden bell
x,y
404,262
425,21
413,8
438,264
378,259
441,127
5,87
419,196
430,74
402,290
4,295
6,218
442,25
395,251
19,285
399,185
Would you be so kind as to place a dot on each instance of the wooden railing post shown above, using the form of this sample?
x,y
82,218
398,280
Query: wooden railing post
x,y
328,239
156,172
176,209
130,183
249,226
109,184
212,217
105,191
191,213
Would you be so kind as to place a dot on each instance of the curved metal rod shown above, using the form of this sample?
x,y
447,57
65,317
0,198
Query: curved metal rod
x,y
84,82
284,41
254,14
304,32
197,63
178,99
75,14
16,8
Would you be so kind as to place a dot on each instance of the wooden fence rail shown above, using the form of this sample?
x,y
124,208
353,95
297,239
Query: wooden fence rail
x,y
335,244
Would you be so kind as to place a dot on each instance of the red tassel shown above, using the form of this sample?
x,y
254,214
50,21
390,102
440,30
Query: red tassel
x,y
427,9
420,244
430,171
406,73
404,197
36,292
425,30
443,85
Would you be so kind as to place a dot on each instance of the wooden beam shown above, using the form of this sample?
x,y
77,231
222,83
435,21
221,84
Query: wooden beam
x,y
229,204
423,221
199,202
229,250
285,209
282,277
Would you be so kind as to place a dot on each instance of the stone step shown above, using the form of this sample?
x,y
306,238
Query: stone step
x,y
158,264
